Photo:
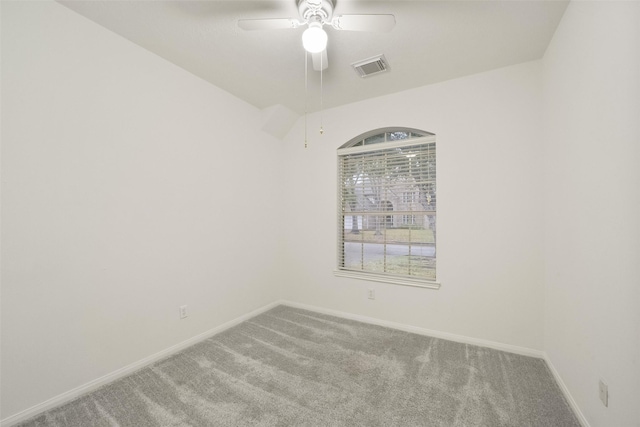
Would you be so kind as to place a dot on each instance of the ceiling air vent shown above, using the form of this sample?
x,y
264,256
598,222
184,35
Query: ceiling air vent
x,y
371,66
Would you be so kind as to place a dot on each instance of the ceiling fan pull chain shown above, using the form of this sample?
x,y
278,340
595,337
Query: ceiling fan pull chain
x,y
321,95
306,94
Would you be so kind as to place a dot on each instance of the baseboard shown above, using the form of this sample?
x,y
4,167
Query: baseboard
x,y
127,370
422,331
567,394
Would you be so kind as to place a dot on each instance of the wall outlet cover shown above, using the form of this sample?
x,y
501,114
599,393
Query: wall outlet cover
x,y
604,393
183,311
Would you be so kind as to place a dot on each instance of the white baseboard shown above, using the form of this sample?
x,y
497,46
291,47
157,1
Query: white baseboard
x,y
567,394
123,372
421,331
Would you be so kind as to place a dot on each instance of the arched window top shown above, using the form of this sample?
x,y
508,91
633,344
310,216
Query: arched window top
x,y
386,135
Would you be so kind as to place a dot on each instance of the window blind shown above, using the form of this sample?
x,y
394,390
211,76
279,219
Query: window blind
x,y
387,207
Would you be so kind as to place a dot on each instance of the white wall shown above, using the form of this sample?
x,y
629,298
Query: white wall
x,y
129,187
490,261
592,198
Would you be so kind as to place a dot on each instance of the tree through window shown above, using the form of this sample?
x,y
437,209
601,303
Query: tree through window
x,y
387,205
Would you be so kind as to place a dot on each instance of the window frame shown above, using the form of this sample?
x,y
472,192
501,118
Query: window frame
x,y
358,145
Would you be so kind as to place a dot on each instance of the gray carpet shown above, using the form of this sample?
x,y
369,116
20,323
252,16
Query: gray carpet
x,y
292,367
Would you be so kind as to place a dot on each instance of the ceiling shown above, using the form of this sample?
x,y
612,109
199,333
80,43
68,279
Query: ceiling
x,y
432,41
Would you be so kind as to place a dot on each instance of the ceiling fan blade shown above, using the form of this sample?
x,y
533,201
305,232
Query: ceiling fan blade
x,y
320,60
377,23
268,24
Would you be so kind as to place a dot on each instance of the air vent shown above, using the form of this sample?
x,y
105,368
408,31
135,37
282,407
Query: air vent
x,y
371,66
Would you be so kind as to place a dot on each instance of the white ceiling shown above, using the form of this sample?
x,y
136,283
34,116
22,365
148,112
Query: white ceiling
x,y
432,41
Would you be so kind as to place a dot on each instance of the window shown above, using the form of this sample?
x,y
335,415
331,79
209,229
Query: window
x,y
408,197
387,207
408,219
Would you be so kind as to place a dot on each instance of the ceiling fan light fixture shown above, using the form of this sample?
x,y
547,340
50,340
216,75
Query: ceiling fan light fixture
x,y
314,38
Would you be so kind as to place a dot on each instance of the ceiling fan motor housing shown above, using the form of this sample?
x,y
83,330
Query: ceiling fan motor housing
x,y
320,11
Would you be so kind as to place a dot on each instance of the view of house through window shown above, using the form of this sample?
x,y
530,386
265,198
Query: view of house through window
x,y
387,204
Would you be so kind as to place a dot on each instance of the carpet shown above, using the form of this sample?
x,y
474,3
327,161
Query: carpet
x,y
292,367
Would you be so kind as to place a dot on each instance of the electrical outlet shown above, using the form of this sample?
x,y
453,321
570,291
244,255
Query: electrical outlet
x,y
604,393
371,293
183,311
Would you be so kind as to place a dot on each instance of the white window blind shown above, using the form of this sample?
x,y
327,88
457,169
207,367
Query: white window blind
x,y
387,205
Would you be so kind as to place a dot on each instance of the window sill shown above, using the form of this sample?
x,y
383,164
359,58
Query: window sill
x,y
418,283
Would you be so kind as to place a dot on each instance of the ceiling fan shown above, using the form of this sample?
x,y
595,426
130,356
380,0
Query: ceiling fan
x,y
315,14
